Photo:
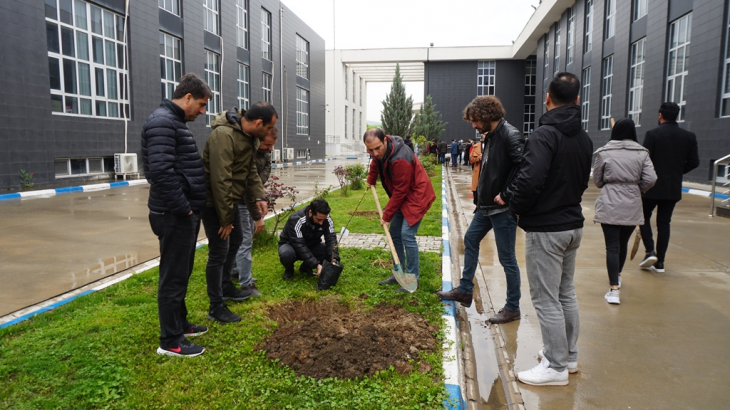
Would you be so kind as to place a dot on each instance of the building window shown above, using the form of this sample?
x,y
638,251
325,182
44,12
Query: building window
x,y
346,80
485,77
360,124
302,111
585,97
302,153
677,66
353,93
266,86
610,18
266,34
354,134
86,60
528,123
588,40
210,18
556,64
302,57
213,78
173,6
636,81
244,86
170,64
530,77
242,24
640,9
73,167
725,105
546,59
346,123
361,90
606,90
571,33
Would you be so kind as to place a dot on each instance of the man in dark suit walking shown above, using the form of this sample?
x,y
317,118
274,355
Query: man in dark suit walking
x,y
673,151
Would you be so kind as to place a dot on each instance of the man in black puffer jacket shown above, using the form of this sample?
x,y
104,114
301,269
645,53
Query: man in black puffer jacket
x,y
546,196
174,168
502,147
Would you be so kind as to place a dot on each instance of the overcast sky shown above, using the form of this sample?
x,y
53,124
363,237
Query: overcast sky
x,y
412,23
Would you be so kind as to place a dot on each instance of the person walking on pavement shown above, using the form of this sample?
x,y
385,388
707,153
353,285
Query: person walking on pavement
x,y
546,196
503,147
454,153
301,240
673,151
442,151
409,189
466,152
174,169
252,221
623,170
230,170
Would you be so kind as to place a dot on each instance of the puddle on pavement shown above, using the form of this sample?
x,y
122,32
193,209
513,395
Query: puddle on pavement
x,y
103,268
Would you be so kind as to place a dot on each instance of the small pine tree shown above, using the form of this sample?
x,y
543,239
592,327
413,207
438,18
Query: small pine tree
x,y
429,122
397,108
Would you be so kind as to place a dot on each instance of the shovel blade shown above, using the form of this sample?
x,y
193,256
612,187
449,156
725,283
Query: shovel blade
x,y
407,280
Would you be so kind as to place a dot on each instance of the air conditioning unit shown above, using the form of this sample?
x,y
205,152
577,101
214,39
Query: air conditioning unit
x,y
125,163
276,155
288,154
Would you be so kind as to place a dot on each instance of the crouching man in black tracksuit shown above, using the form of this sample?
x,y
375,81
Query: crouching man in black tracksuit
x,y
301,239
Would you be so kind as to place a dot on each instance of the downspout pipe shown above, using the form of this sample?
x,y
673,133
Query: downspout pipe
x,y
281,75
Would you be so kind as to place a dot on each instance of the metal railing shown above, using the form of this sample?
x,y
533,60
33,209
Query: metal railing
x,y
723,160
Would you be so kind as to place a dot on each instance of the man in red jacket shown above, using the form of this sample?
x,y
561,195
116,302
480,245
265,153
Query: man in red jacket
x,y
409,189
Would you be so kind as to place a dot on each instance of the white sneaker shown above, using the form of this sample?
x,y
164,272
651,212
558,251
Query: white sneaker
x,y
543,375
613,296
572,366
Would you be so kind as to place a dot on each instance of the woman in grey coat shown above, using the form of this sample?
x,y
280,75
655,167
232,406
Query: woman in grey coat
x,y
623,170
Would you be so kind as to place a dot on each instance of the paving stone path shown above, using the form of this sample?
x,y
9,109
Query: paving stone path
x,y
371,241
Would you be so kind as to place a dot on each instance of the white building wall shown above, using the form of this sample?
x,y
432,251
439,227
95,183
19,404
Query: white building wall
x,y
341,142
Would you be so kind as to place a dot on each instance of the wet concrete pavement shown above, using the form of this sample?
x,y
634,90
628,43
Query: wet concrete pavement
x,y
52,245
665,347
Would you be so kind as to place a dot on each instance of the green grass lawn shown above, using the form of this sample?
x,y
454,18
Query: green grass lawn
x,y
98,351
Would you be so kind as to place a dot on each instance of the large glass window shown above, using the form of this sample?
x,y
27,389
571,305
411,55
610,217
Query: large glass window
x,y
530,77
244,88
213,78
346,80
210,17
170,64
678,65
588,40
556,61
266,86
485,77
242,24
528,122
640,9
610,19
546,59
636,81
585,97
571,33
353,93
346,123
606,93
725,104
302,111
266,34
173,6
302,57
86,60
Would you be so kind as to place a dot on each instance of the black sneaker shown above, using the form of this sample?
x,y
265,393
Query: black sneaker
x,y
233,293
390,281
250,291
195,330
223,314
184,349
658,267
288,275
649,260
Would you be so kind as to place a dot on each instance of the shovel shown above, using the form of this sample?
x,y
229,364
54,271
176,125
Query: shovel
x,y
637,239
407,280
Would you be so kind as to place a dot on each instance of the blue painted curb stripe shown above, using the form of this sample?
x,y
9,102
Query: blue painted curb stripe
x,y
455,395
704,193
9,196
69,189
118,184
447,248
45,309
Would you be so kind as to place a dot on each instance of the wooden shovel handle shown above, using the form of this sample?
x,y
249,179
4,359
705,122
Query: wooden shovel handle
x,y
385,227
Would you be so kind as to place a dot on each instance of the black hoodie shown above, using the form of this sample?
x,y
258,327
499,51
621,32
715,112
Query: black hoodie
x,y
556,166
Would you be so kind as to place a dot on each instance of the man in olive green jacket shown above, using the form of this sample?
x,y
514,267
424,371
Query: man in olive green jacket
x,y
230,171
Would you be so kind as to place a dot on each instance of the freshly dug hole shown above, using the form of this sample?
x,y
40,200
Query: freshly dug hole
x,y
325,339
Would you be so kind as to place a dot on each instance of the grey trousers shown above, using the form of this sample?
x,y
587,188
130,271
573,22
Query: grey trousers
x,y
244,262
550,258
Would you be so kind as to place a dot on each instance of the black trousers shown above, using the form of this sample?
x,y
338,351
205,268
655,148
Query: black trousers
x,y
617,241
665,208
178,236
287,255
221,254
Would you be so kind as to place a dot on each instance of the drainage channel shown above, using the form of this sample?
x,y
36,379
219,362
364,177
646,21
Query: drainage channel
x,y
488,376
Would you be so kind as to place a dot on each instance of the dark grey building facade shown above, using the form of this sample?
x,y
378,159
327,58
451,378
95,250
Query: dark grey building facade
x,y
75,69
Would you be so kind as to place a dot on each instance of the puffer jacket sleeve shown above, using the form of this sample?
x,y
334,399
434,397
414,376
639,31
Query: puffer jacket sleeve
x,y
648,174
598,165
515,147
161,140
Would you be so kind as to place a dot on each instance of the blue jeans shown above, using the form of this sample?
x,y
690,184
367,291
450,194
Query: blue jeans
x,y
221,254
442,158
505,233
244,261
454,159
404,236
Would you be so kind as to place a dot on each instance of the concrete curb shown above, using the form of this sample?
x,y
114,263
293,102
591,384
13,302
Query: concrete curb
x,y
45,193
452,361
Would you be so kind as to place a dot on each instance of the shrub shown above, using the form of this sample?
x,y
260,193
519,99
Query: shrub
x,y
356,175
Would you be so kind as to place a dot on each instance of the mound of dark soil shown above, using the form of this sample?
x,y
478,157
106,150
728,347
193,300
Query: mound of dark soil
x,y
326,340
